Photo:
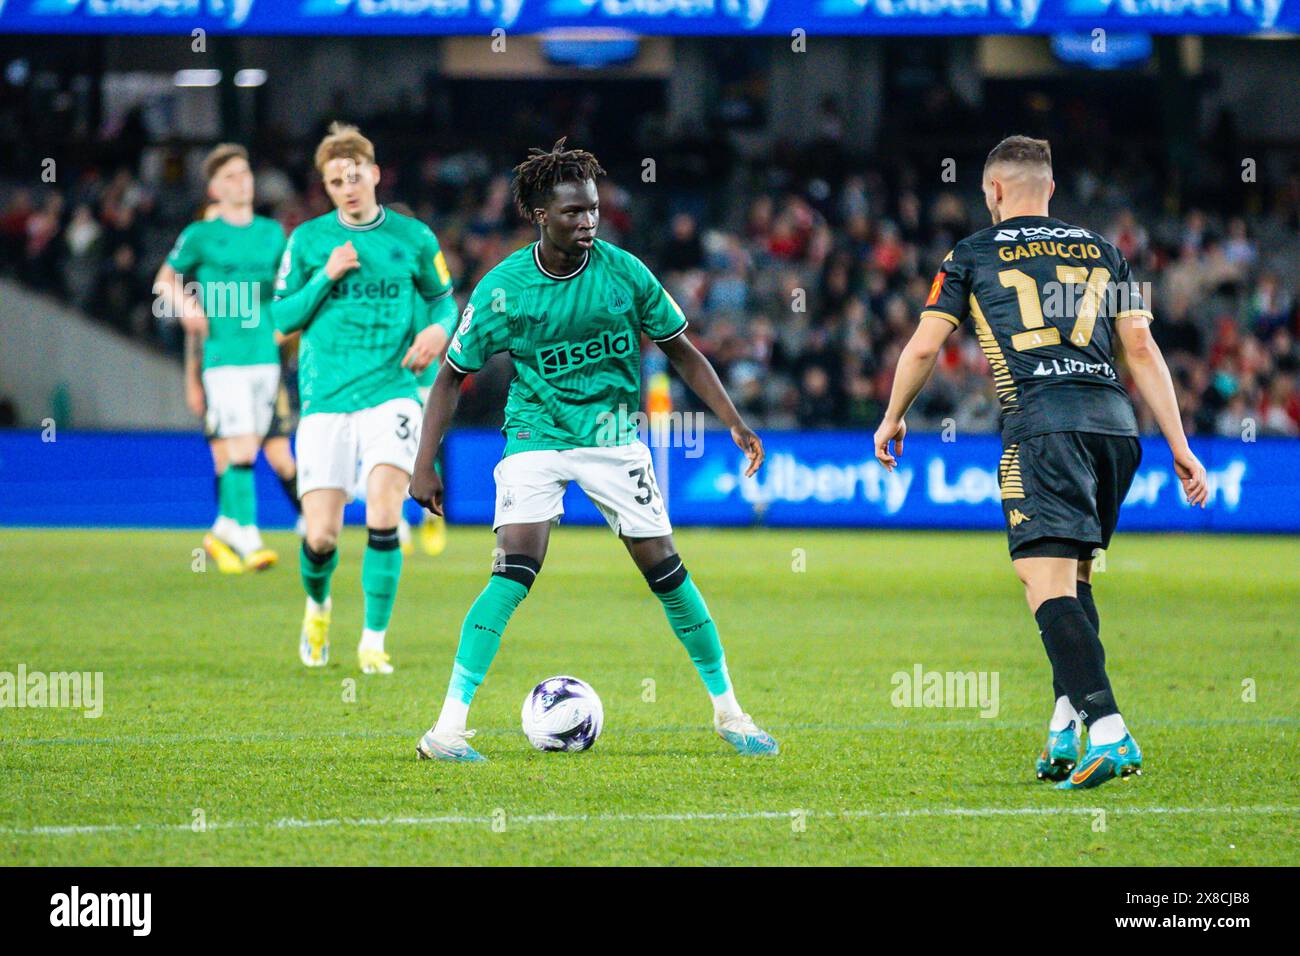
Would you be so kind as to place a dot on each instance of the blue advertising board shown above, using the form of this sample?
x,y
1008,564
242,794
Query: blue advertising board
x,y
653,17
832,479
828,479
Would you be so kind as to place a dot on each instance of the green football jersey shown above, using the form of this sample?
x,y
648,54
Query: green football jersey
x,y
235,265
357,330
575,341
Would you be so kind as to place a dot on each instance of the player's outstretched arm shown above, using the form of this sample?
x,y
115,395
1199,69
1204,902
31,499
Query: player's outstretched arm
x,y
700,377
915,364
1151,375
426,483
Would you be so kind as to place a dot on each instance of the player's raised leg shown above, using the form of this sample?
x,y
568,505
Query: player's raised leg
x,y
1078,665
381,568
689,617
521,549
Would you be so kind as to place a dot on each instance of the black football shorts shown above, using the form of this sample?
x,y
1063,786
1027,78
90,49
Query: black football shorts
x,y
284,420
1061,492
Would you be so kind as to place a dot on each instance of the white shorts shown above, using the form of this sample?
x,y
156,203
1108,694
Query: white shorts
x,y
340,449
619,480
241,399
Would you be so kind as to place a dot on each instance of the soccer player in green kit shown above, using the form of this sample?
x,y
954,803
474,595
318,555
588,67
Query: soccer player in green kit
x,y
571,309
357,283
232,256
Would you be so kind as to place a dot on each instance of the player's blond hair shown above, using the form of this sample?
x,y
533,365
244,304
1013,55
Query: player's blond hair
x,y
344,141
221,154
1021,151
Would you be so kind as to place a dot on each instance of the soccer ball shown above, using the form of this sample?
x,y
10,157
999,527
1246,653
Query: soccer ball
x,y
562,713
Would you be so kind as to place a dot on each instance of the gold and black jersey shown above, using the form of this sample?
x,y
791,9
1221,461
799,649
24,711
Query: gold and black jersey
x,y
1043,298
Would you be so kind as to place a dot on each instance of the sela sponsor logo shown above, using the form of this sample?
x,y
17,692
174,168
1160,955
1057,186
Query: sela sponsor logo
x,y
74,908
1022,13
1027,233
371,289
503,12
1074,367
557,359
231,12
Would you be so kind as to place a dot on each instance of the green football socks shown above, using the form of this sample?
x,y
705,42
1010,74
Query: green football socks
x,y
480,634
689,617
317,569
380,570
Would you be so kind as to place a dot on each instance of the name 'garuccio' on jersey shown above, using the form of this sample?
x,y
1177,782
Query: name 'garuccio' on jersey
x,y
575,341
1044,297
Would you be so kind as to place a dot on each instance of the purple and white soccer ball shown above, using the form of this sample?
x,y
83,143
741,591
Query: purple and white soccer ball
x,y
562,713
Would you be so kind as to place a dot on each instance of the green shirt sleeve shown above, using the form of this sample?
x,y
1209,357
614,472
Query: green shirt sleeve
x,y
433,278
661,317
443,312
483,331
300,288
186,254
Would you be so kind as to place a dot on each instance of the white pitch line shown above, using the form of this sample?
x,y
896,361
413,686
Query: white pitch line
x,y
162,740
290,823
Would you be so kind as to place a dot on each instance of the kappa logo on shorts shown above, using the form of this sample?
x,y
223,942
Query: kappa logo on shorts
x,y
507,500
1017,517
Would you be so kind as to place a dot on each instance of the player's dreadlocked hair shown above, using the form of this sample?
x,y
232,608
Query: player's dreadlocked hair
x,y
541,172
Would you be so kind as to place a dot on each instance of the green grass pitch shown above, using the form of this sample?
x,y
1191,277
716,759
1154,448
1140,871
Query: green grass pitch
x,y
217,747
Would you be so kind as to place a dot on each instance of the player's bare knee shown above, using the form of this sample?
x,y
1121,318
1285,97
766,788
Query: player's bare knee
x,y
383,514
322,540
650,552
242,450
527,539
280,458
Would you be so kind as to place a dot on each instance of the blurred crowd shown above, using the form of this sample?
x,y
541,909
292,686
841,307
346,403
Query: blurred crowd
x,y
801,287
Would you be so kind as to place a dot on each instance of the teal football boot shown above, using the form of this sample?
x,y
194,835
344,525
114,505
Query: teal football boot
x,y
453,749
747,737
1060,754
1105,762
